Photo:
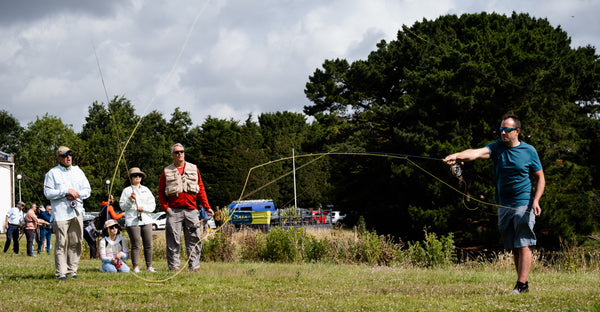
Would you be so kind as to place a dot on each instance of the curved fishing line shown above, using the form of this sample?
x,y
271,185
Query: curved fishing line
x,y
167,78
375,154
114,120
124,146
319,156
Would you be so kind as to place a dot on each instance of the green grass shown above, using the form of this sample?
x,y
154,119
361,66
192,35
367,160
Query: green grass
x,y
28,284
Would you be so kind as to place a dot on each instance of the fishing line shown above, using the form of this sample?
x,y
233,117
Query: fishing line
x,y
167,78
114,122
124,146
406,157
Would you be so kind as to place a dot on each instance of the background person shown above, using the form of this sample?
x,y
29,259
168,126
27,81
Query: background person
x,y
66,186
14,217
515,165
31,225
179,188
38,230
113,249
46,231
138,203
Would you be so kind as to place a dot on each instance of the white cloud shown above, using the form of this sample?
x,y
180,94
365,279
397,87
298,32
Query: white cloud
x,y
242,57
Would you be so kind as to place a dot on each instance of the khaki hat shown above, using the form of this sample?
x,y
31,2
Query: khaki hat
x,y
137,170
63,150
110,223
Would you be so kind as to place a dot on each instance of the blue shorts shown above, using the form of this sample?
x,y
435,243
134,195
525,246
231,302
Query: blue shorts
x,y
516,226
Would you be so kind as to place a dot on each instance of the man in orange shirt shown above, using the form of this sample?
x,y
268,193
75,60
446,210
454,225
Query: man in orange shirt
x,y
179,189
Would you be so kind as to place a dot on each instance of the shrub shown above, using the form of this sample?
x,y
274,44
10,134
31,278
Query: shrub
x,y
432,252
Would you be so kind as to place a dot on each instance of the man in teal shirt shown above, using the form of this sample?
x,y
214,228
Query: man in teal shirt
x,y
515,164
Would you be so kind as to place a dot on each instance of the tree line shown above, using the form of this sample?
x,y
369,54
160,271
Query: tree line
x,y
440,87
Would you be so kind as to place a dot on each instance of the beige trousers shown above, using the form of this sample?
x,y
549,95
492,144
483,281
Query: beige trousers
x,y
67,249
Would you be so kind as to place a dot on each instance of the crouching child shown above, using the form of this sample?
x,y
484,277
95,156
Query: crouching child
x,y
113,249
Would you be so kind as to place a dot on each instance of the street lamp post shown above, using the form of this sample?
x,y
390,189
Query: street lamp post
x,y
19,178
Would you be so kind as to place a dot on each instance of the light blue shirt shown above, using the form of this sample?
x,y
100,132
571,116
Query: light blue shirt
x,y
14,215
57,183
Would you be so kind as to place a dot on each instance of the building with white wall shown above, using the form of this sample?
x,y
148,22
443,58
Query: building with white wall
x,y
7,187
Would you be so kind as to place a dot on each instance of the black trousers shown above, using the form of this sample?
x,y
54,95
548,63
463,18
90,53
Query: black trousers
x,y
12,234
91,244
30,234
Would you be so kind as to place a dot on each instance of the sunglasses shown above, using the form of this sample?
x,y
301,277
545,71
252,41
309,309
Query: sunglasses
x,y
507,129
136,175
113,227
178,152
66,154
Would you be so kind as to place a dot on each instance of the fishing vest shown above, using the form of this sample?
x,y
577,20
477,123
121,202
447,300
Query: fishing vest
x,y
176,183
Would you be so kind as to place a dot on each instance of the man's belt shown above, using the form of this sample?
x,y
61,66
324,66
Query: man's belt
x,y
13,224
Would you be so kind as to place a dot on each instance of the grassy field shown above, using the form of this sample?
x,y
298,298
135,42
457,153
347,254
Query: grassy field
x,y
28,284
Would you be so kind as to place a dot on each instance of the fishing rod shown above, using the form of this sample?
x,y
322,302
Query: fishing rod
x,y
73,203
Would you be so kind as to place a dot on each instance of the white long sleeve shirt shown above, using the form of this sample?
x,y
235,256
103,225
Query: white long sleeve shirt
x,y
57,183
144,199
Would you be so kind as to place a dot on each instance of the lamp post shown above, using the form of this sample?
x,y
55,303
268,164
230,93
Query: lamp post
x,y
107,186
19,178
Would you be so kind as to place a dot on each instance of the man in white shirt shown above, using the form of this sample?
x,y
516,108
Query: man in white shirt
x,y
13,219
66,187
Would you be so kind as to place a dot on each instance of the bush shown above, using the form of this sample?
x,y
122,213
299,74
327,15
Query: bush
x,y
432,252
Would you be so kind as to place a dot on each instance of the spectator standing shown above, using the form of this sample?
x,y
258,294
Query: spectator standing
x,y
46,231
113,249
179,188
138,203
516,166
14,218
38,230
66,186
31,225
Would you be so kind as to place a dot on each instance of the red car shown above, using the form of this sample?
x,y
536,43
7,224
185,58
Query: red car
x,y
319,216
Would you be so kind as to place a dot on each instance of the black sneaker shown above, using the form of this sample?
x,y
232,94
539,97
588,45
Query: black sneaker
x,y
520,288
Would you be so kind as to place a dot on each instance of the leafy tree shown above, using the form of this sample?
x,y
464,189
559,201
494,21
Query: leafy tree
x,y
442,86
37,154
10,131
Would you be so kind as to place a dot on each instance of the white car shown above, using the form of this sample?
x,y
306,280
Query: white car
x,y
159,221
336,217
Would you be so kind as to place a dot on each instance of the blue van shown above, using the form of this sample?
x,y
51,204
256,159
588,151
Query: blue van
x,y
257,205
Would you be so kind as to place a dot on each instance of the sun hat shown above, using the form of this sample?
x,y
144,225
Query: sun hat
x,y
136,170
110,223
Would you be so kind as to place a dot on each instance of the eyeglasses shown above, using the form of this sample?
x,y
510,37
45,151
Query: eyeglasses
x,y
136,175
507,129
66,154
178,152
113,227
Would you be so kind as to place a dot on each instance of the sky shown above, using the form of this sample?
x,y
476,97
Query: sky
x,y
221,58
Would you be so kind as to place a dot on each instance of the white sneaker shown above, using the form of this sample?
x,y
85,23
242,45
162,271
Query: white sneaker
x,y
136,270
151,269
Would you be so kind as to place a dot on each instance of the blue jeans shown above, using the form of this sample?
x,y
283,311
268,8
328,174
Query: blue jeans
x,y
45,235
109,267
12,234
